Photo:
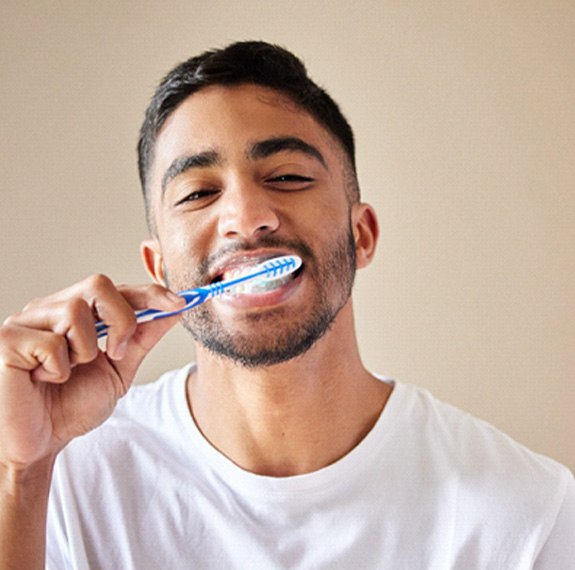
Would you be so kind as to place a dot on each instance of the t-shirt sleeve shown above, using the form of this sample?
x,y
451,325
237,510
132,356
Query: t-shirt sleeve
x,y
558,552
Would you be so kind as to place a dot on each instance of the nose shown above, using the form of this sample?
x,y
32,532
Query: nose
x,y
246,212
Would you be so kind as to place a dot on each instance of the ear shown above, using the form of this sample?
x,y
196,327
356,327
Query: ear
x,y
151,253
365,233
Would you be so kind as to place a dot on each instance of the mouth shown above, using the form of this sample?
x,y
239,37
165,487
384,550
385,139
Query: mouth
x,y
241,266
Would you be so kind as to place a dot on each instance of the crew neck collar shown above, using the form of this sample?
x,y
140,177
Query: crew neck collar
x,y
321,481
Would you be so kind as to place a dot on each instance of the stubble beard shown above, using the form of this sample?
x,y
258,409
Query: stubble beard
x,y
271,337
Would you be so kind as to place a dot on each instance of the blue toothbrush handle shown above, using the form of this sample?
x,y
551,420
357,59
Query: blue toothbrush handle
x,y
193,298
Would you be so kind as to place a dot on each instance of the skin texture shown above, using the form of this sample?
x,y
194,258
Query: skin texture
x,y
240,175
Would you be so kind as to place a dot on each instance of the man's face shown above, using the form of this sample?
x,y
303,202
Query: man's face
x,y
241,175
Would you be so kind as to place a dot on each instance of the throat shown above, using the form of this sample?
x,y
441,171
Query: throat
x,y
285,434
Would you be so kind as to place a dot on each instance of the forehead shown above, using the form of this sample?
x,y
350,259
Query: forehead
x,y
229,120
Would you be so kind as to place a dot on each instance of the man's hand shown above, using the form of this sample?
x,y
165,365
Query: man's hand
x,y
55,381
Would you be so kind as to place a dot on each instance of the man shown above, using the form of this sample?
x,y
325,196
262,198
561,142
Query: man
x,y
277,448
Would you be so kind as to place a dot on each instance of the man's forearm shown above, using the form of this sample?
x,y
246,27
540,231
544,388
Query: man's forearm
x,y
23,509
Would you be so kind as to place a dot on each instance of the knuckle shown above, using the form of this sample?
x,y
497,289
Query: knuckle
x,y
11,319
32,304
10,336
156,289
99,282
6,334
55,343
76,307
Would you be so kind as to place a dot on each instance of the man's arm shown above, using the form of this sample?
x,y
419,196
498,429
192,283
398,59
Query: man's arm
x,y
55,385
23,506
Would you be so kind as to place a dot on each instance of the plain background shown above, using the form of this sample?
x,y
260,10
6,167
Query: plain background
x,y
464,115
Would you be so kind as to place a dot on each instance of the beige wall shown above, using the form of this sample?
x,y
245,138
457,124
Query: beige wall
x,y
465,119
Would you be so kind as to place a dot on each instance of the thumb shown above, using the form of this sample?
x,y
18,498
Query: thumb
x,y
147,335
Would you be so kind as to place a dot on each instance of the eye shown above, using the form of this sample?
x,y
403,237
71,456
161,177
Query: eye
x,y
292,182
198,198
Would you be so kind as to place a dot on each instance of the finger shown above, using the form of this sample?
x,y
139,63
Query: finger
x,y
72,319
42,354
110,306
105,302
139,296
113,305
151,296
147,335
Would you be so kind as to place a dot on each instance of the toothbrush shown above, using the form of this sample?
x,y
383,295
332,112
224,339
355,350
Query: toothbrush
x,y
269,270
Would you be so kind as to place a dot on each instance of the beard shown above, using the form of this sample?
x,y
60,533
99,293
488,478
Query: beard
x,y
277,335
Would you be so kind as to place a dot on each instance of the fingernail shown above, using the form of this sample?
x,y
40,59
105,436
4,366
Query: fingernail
x,y
120,350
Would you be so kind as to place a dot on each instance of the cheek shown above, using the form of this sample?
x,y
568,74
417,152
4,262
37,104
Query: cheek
x,y
319,214
182,236
331,216
182,252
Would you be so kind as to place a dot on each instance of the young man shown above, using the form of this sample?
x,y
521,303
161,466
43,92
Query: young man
x,y
277,448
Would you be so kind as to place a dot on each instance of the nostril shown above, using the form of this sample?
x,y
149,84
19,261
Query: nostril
x,y
263,228
245,214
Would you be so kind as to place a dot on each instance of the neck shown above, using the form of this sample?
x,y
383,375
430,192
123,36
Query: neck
x,y
291,418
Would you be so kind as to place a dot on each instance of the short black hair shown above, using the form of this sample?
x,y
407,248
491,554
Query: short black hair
x,y
255,62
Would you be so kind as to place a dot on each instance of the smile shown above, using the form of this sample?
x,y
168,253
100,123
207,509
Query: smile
x,y
261,288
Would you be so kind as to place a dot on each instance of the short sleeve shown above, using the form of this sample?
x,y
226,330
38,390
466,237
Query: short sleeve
x,y
558,552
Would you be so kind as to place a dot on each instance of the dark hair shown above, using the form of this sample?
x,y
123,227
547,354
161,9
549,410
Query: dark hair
x,y
255,62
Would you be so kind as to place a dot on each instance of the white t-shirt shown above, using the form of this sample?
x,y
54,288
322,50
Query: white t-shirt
x,y
428,488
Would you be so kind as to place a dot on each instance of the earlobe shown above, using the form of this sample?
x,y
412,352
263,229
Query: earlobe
x,y
365,233
151,253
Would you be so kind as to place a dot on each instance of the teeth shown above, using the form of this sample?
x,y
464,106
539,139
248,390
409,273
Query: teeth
x,y
255,286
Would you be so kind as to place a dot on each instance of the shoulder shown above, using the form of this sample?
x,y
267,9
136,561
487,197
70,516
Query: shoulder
x,y
495,487
466,439
485,462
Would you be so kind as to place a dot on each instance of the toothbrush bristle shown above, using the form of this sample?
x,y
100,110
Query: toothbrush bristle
x,y
276,272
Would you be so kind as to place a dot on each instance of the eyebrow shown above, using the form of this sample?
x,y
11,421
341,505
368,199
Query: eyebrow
x,y
269,147
259,150
182,163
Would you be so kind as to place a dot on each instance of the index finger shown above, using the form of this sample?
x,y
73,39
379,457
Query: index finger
x,y
152,301
120,326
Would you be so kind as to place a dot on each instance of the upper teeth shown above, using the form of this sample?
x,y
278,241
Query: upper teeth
x,y
257,285
237,272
